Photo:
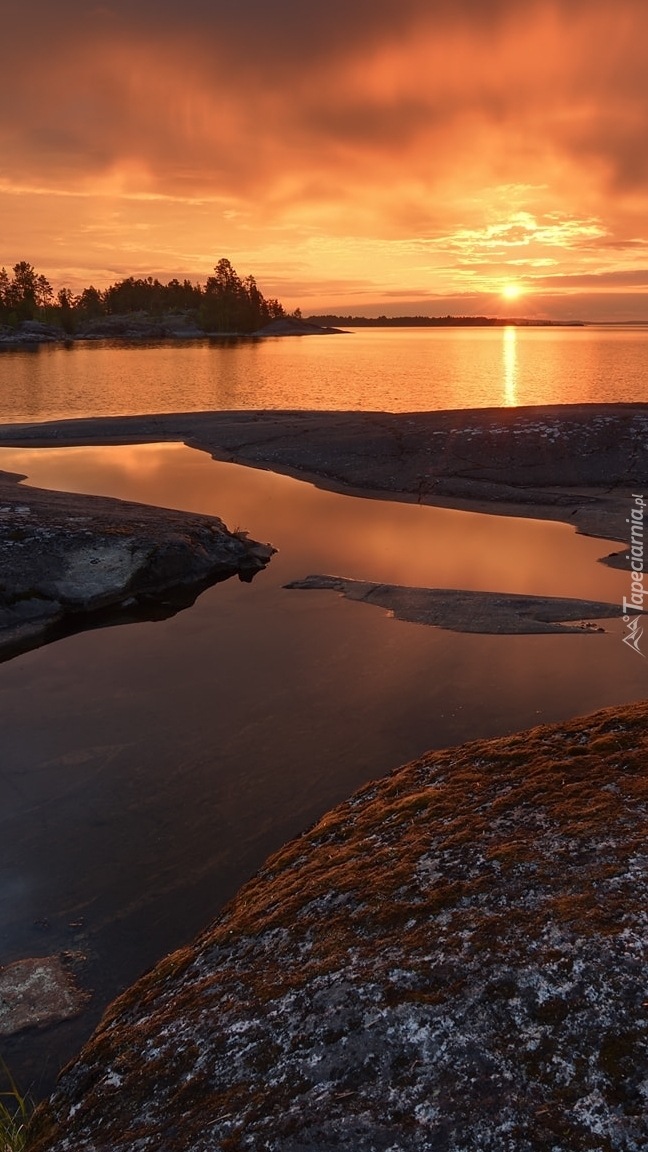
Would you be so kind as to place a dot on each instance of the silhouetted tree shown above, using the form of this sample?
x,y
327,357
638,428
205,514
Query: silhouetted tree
x,y
230,304
66,301
90,303
25,293
4,287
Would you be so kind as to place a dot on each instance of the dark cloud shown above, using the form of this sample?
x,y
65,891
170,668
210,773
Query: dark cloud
x,y
285,27
232,90
631,278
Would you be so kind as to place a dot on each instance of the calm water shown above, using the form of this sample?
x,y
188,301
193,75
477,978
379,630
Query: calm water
x,y
147,770
370,369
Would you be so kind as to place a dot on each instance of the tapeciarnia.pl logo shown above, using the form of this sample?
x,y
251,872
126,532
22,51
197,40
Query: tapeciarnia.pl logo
x,y
635,520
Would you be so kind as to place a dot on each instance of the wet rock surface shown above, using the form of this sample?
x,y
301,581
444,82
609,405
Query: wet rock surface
x,y
68,562
463,611
37,992
577,463
454,959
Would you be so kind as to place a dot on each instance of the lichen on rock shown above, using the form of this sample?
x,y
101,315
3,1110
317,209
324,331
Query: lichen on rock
x,y
36,992
454,959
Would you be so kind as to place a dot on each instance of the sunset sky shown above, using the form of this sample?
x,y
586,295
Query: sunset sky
x,y
355,155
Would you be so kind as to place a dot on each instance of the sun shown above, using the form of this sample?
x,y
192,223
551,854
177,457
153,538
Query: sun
x,y
511,291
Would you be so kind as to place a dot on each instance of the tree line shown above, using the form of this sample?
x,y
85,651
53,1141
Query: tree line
x,y
225,303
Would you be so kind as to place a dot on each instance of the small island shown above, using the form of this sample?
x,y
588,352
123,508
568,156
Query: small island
x,y
143,309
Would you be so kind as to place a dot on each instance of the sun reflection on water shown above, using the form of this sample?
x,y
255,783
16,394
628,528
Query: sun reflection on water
x,y
509,350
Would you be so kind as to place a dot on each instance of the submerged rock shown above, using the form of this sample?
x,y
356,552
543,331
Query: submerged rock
x,y
70,562
464,611
37,992
454,959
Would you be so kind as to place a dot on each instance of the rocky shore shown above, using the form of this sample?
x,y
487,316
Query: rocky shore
x,y
579,463
69,562
451,961
145,326
130,326
575,463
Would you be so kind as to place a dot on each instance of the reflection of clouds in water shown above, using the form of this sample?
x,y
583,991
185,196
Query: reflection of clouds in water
x,y
509,350
319,531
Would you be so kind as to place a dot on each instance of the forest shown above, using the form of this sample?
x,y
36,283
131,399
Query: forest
x,y
225,303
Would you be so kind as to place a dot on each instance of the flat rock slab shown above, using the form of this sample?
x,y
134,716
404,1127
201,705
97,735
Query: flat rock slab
x,y
38,992
454,960
66,558
462,611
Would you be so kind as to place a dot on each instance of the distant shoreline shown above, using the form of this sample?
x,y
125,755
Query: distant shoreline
x,y
445,322
141,327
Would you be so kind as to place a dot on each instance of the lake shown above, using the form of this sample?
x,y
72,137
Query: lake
x,y
389,370
147,770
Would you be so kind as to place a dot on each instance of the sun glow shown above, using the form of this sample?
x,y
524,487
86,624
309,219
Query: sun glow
x,y
511,291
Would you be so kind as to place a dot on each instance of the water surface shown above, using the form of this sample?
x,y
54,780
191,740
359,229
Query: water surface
x,y
319,531
388,370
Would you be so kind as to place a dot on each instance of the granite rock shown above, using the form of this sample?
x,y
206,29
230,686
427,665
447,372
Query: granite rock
x,y
453,960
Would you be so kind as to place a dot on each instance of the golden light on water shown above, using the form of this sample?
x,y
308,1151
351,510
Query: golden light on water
x,y
509,351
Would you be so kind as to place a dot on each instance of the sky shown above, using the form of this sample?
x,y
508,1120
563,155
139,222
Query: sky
x,y
355,156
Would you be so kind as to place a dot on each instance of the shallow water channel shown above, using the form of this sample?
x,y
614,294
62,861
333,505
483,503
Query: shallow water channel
x,y
147,770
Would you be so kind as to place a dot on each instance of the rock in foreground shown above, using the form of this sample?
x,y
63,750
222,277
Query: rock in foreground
x,y
454,959
64,559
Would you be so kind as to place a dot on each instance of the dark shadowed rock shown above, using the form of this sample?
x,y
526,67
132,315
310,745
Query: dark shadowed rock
x,y
31,332
463,611
454,959
69,561
294,326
